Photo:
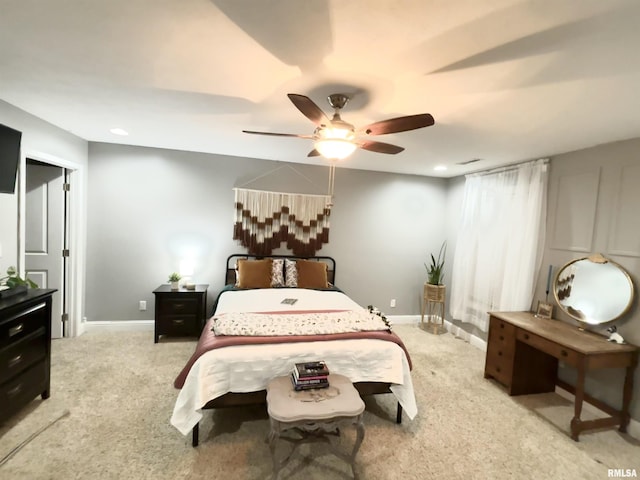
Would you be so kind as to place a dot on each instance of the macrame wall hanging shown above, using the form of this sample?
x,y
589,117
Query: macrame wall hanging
x,y
266,220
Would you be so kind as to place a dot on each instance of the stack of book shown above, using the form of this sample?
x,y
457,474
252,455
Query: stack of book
x,y
310,375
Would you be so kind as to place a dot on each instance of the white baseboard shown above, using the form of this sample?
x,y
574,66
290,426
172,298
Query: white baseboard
x,y
403,319
466,336
119,326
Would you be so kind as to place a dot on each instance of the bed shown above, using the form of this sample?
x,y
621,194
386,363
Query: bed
x,y
278,310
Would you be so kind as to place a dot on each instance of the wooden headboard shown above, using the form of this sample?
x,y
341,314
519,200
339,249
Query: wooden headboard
x,y
230,272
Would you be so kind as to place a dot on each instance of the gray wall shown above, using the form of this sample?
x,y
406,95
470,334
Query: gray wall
x,y
37,136
600,214
151,207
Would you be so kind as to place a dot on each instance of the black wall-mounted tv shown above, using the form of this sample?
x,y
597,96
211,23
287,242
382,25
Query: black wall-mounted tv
x,y
9,158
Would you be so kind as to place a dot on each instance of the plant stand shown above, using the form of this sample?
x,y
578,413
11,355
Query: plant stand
x,y
433,307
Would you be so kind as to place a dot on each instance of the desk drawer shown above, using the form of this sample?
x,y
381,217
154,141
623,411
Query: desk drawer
x,y
564,354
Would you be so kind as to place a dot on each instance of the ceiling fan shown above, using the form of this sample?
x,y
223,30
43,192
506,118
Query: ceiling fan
x,y
336,139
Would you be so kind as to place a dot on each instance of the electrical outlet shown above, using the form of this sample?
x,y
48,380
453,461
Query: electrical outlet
x,y
143,305
392,304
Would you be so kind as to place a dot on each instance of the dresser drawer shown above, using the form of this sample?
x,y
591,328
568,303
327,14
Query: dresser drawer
x,y
18,326
178,306
20,355
19,391
564,354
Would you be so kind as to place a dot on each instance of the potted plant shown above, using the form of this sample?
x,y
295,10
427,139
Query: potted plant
x,y
12,283
434,292
435,274
174,279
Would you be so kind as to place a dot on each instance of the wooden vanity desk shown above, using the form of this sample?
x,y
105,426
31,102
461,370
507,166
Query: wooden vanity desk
x,y
523,353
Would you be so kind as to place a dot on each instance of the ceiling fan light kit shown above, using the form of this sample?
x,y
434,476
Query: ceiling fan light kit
x,y
335,143
336,139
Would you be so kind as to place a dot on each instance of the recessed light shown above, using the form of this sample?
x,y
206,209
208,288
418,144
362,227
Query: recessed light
x,y
440,168
119,131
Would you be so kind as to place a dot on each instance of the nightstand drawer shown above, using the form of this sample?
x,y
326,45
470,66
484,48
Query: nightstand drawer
x,y
563,354
178,306
179,324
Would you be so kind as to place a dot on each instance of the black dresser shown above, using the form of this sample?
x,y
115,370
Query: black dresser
x,y
25,349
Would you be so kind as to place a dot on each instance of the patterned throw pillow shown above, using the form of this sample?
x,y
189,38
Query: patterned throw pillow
x,y
290,274
277,273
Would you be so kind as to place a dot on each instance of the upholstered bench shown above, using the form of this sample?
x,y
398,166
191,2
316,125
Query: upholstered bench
x,y
313,414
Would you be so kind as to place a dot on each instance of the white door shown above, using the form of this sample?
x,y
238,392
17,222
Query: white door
x,y
45,234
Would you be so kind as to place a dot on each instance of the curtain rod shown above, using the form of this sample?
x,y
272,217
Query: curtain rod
x,y
507,168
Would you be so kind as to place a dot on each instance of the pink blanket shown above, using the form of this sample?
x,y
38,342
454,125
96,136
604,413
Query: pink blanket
x,y
209,341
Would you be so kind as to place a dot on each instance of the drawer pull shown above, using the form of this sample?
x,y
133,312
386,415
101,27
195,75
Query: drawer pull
x,y
500,354
178,305
502,325
501,337
178,322
14,361
14,391
526,336
498,369
16,330
563,353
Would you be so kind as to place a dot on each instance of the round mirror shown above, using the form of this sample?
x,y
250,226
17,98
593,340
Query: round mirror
x,y
593,290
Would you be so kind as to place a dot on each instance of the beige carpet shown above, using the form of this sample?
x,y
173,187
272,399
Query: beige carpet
x,y
118,390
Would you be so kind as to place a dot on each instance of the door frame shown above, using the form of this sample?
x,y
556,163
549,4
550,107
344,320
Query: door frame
x,y
76,228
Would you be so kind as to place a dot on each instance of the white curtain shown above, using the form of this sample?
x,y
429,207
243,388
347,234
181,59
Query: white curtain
x,y
500,241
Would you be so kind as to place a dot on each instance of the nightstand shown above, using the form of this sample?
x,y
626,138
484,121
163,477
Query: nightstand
x,y
180,312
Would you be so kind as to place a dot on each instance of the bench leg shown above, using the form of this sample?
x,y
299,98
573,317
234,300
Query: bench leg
x,y
399,414
194,435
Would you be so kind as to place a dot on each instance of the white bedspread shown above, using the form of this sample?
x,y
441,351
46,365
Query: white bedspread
x,y
248,368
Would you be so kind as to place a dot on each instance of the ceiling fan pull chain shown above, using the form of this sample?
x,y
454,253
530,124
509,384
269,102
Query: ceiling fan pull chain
x,y
332,177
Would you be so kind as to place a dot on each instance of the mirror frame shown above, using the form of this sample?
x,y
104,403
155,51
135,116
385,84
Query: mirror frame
x,y
595,258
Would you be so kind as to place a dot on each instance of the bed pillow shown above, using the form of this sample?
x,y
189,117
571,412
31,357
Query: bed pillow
x,y
277,272
254,273
290,273
312,274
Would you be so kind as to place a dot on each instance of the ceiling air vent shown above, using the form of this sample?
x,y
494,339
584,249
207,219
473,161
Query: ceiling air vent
x,y
473,160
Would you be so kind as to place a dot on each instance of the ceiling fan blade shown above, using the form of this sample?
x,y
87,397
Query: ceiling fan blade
x,y
277,134
380,147
400,124
313,153
309,109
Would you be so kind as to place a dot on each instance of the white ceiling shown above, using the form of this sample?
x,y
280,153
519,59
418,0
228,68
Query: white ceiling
x,y
505,80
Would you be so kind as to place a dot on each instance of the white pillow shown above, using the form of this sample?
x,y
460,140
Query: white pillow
x,y
290,274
